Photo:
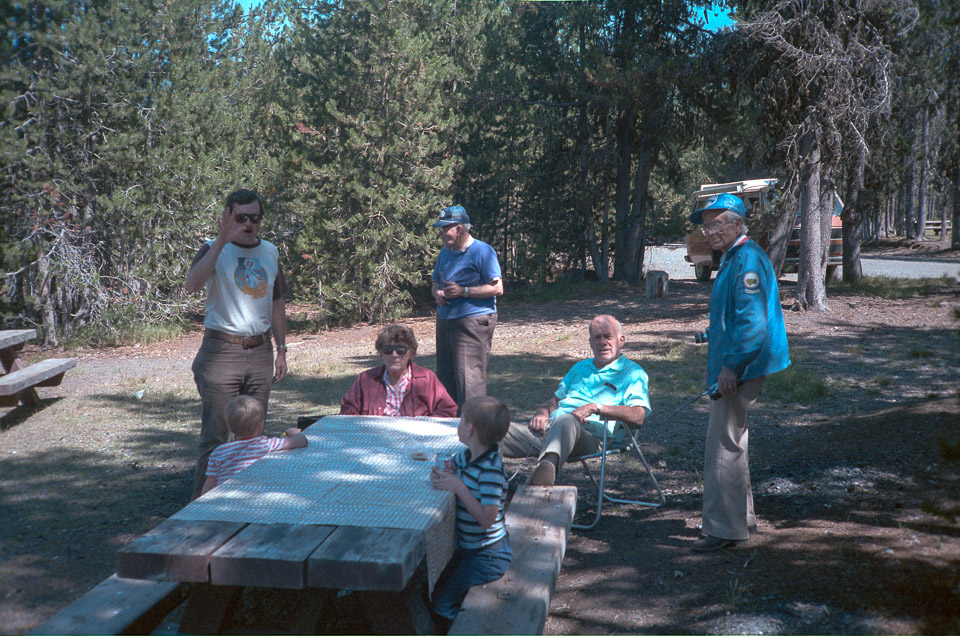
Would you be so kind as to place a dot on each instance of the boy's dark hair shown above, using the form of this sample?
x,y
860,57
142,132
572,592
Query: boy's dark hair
x,y
243,197
244,414
489,416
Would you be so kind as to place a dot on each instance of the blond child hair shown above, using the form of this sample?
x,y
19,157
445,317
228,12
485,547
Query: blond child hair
x,y
244,415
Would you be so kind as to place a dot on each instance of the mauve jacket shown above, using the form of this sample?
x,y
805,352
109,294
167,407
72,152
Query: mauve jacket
x,y
425,396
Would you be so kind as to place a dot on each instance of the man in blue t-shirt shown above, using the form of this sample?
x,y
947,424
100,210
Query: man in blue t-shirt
x,y
466,283
600,391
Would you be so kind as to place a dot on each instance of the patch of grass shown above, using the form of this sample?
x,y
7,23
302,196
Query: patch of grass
x,y
796,385
125,333
553,292
883,380
892,287
920,352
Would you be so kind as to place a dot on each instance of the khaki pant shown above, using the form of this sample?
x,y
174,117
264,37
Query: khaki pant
x,y
727,493
463,348
565,437
222,371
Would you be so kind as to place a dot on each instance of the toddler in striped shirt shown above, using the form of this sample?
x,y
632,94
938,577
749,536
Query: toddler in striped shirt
x,y
483,552
245,420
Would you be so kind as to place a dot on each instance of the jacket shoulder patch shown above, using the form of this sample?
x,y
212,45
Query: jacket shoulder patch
x,y
751,282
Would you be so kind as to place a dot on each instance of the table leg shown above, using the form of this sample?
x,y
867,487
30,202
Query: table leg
x,y
314,611
405,612
209,608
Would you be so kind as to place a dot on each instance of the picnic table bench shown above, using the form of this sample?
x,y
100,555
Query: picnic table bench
x,y
18,381
538,520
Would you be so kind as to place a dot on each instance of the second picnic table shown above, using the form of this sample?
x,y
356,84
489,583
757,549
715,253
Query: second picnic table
x,y
17,380
352,511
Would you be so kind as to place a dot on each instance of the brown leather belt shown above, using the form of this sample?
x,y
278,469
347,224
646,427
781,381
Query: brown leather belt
x,y
248,342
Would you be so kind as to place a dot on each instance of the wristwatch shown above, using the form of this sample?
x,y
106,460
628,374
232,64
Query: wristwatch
x,y
282,348
466,292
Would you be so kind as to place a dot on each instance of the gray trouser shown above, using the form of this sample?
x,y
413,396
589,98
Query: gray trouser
x,y
565,437
727,493
222,371
463,348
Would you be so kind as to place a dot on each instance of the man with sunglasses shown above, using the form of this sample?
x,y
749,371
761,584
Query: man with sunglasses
x,y
244,307
466,283
746,341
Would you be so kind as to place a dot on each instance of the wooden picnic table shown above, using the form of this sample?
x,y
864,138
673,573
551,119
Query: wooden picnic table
x,y
352,511
17,380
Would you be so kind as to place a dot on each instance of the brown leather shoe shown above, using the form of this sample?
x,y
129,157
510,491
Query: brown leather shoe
x,y
545,474
712,544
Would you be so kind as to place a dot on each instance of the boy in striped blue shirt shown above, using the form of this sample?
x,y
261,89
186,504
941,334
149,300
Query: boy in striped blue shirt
x,y
480,484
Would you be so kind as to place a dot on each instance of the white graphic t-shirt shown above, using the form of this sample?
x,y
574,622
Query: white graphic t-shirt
x,y
241,291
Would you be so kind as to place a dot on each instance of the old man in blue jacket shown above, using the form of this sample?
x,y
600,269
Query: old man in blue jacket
x,y
747,341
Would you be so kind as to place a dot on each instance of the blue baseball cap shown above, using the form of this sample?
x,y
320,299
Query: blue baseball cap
x,y
451,215
719,203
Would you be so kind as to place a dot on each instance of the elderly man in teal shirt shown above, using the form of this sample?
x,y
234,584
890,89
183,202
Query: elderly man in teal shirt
x,y
600,391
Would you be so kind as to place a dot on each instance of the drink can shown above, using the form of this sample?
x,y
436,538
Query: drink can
x,y
444,463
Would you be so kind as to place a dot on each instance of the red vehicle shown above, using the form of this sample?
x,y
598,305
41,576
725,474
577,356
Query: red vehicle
x,y
755,194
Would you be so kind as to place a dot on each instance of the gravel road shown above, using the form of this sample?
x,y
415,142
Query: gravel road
x,y
669,258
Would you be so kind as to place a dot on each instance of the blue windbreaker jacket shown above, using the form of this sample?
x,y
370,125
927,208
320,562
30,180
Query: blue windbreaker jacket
x,y
746,333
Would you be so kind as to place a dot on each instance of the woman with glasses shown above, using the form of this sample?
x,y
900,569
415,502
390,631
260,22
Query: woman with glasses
x,y
398,387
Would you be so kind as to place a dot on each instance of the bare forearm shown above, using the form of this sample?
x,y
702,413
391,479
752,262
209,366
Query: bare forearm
x,y
629,414
486,291
202,270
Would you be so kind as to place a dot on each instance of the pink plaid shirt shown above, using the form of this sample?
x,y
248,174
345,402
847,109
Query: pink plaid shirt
x,y
395,393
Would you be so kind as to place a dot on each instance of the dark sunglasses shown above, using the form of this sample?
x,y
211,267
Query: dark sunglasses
x,y
390,349
243,218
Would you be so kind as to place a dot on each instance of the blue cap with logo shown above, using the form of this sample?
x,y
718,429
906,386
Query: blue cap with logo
x,y
719,203
451,215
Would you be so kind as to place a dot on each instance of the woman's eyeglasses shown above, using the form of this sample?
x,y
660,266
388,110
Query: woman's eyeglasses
x,y
243,218
398,349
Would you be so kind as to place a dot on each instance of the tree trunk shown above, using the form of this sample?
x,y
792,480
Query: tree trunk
x,y
786,219
811,292
585,200
909,213
853,219
624,135
922,180
955,232
636,232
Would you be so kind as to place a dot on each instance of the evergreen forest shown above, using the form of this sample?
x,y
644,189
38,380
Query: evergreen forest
x,y
573,132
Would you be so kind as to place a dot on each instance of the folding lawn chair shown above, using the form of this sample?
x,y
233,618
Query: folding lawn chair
x,y
605,450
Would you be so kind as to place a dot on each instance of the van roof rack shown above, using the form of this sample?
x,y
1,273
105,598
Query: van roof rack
x,y
749,185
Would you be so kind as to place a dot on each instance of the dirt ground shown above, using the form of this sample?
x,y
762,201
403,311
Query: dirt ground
x,y
856,487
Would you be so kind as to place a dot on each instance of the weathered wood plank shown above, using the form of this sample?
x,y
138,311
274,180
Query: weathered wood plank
x,y
176,550
538,521
382,559
117,606
44,373
12,337
268,555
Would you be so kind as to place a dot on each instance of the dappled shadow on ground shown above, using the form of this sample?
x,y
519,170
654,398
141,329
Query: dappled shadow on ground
x,y
22,413
848,481
845,544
